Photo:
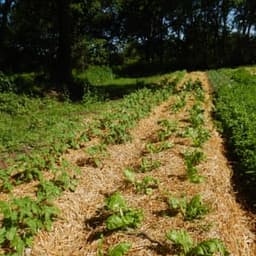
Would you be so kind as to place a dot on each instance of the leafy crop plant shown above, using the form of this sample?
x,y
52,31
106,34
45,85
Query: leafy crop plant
x,y
186,247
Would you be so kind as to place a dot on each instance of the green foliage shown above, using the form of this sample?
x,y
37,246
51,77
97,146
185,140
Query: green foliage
x,y
193,209
22,218
167,129
196,115
122,216
180,103
235,110
157,148
190,85
97,75
97,153
186,247
116,203
194,157
181,239
6,83
199,135
119,249
146,185
148,164
130,218
209,248
242,77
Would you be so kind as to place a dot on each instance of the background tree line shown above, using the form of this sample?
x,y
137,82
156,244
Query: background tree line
x,y
56,37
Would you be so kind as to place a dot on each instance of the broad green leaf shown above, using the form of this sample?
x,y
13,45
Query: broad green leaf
x,y
119,250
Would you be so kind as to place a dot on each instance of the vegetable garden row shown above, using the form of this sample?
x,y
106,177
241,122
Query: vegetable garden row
x,y
35,177
235,92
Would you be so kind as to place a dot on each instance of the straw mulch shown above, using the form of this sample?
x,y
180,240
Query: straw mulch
x,y
77,230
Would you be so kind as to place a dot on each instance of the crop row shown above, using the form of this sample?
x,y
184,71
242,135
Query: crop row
x,y
120,216
235,104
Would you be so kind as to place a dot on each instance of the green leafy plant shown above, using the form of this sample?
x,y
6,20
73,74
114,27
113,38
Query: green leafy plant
x,y
156,148
148,165
199,135
193,174
122,216
119,249
180,103
186,247
47,190
209,248
181,240
22,218
193,158
146,185
193,209
167,129
196,115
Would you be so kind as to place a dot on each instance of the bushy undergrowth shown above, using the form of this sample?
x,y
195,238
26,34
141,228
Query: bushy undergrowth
x,y
235,104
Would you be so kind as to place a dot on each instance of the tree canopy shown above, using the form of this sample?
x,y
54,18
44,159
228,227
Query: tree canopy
x,y
58,36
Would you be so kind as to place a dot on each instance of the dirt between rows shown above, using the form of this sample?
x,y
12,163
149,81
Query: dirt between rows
x,y
77,230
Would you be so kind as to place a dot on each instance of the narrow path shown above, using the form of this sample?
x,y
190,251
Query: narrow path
x,y
75,232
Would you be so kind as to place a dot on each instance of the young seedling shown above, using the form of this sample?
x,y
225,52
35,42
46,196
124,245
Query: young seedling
x,y
193,175
167,129
96,153
193,209
119,249
157,148
148,165
121,215
186,247
193,158
196,115
180,103
146,185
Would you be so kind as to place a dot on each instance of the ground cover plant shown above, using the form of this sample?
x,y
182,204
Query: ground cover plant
x,y
235,110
